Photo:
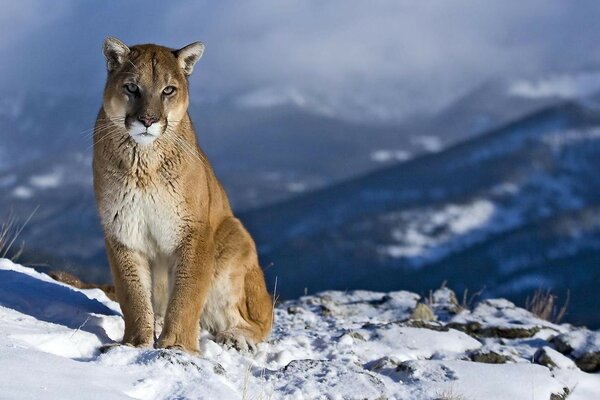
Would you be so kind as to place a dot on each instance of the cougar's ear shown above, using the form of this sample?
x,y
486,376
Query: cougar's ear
x,y
115,52
189,55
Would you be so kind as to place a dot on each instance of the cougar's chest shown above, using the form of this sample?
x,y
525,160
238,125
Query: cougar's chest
x,y
147,219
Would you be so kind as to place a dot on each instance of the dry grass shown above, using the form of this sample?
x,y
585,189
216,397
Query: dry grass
x,y
9,233
8,236
449,395
275,300
544,304
469,301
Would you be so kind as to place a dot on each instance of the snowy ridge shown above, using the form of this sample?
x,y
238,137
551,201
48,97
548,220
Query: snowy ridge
x,y
565,86
335,345
510,211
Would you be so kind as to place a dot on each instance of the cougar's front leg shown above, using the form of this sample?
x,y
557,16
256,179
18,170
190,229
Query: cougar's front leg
x,y
193,276
131,275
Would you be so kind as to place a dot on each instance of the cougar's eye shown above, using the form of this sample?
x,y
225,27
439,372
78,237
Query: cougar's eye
x,y
132,88
169,90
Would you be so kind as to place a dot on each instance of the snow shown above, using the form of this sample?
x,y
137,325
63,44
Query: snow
x,y
334,345
297,187
561,139
429,143
423,234
559,360
565,86
426,231
46,181
22,192
583,341
502,381
501,313
383,156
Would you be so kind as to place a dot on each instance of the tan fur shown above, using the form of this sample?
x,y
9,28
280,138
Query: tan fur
x,y
178,256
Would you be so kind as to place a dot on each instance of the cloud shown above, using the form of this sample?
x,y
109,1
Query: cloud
x,y
379,59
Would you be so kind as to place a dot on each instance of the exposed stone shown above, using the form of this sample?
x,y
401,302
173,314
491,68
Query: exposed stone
x,y
294,310
327,310
506,332
444,303
422,312
589,362
583,346
74,281
551,358
560,396
489,357
356,335
561,345
384,363
433,325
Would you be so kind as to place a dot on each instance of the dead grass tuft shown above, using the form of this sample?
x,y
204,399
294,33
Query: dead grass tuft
x,y
9,234
469,301
449,395
544,304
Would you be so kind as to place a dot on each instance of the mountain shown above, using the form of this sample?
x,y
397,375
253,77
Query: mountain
x,y
511,210
266,156
262,155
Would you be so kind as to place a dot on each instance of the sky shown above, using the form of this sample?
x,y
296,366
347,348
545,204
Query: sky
x,y
380,60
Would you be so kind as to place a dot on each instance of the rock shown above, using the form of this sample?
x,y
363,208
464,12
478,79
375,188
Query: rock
x,y
327,310
561,396
356,335
489,357
581,345
561,345
327,378
507,332
417,371
432,325
383,364
294,310
500,318
74,281
589,362
551,358
444,303
422,313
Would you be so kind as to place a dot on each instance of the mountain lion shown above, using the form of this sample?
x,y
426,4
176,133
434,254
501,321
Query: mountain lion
x,y
178,256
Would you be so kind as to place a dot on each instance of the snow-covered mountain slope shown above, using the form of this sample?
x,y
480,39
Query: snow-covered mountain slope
x,y
334,345
262,155
511,210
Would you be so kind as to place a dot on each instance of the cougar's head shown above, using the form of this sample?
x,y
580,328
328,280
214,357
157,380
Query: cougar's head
x,y
147,88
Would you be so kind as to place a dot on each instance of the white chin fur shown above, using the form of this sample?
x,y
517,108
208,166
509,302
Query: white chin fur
x,y
141,135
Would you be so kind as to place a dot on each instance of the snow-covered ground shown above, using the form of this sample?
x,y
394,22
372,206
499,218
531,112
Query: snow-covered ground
x,y
334,345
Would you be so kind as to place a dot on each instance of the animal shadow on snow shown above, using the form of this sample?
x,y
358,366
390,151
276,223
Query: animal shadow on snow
x,y
52,302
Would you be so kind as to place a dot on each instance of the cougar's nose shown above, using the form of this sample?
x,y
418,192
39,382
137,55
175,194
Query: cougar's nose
x,y
147,120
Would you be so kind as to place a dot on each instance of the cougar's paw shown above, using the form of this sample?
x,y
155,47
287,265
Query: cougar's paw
x,y
167,342
139,340
237,340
